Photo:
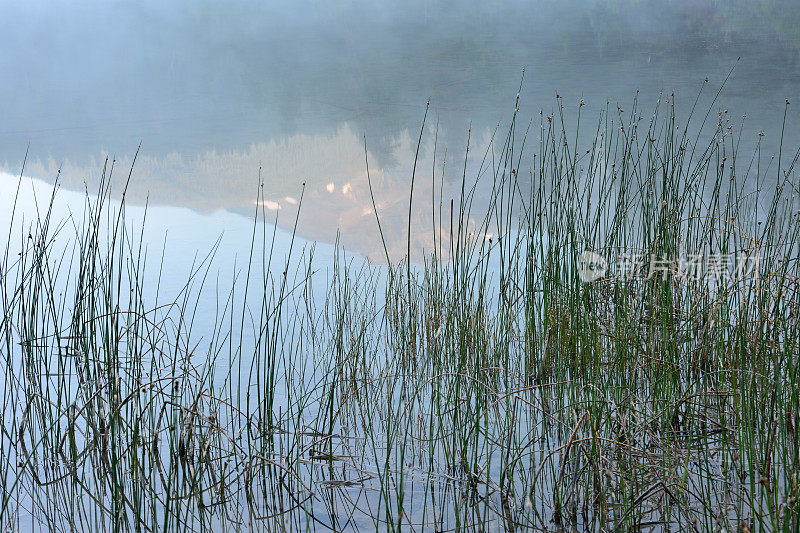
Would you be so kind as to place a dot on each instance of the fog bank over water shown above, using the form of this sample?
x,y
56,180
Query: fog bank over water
x,y
216,91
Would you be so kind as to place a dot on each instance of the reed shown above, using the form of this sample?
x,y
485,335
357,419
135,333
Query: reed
x,y
489,386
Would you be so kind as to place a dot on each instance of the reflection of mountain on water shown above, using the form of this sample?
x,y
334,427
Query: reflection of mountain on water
x,y
224,180
216,91
327,173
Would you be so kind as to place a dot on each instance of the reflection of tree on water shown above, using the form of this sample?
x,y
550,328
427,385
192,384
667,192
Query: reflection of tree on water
x,y
373,66
203,76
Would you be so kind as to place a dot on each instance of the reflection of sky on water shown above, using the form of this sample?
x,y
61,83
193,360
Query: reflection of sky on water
x,y
215,91
175,243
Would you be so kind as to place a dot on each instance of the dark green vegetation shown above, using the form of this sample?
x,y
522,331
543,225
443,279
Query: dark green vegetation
x,y
488,388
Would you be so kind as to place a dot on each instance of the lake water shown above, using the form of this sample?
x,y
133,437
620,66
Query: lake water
x,y
231,110
218,94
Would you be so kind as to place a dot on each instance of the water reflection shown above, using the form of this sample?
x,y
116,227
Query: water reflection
x,y
322,176
216,91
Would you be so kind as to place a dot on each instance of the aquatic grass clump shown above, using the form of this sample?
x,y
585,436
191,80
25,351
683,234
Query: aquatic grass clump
x,y
492,385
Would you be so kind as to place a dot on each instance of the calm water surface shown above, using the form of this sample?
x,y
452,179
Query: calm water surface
x,y
218,93
223,95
